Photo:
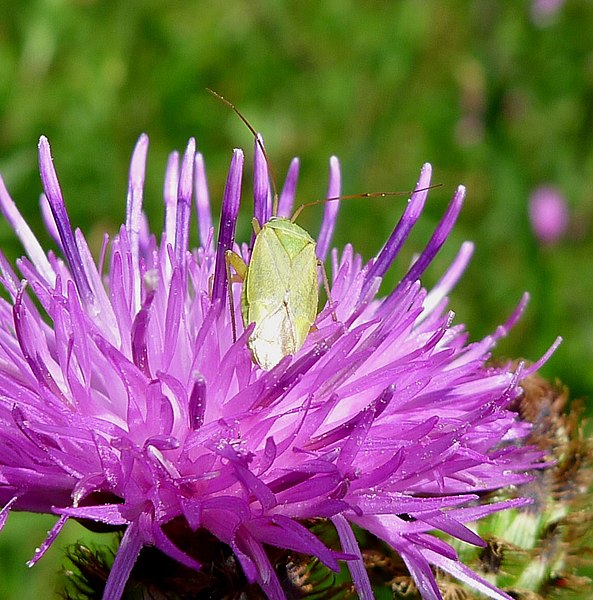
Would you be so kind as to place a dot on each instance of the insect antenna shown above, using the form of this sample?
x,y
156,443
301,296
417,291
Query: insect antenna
x,y
259,143
272,173
300,209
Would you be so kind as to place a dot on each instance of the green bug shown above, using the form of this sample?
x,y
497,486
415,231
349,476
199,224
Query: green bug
x,y
279,285
280,290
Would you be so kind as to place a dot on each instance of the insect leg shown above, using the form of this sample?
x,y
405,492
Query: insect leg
x,y
232,258
327,290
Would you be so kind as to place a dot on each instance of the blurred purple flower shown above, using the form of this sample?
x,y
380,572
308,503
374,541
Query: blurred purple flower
x,y
124,400
548,214
543,11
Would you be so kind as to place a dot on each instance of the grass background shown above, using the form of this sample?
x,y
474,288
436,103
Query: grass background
x,y
492,95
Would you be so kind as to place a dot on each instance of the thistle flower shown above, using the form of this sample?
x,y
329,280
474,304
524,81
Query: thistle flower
x,y
548,214
125,401
544,11
543,552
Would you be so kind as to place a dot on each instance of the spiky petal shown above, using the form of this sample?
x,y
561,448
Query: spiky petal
x,y
126,401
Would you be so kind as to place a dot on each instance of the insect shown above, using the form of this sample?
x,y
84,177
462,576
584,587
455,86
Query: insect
x,y
279,292
279,285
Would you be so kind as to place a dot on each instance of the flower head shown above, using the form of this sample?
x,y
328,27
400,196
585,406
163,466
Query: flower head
x,y
126,401
544,11
548,214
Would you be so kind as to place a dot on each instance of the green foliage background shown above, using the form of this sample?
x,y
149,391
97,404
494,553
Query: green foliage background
x,y
493,98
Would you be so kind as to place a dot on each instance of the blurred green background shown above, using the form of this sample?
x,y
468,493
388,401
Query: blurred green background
x,y
494,94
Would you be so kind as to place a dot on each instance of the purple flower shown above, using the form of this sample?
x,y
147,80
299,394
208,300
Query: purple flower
x,y
125,401
544,11
548,214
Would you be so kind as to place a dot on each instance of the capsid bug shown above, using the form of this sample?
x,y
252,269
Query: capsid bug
x,y
279,292
279,284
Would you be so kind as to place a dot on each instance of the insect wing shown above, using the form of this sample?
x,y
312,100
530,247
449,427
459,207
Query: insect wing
x,y
264,293
280,292
267,278
303,292
301,286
